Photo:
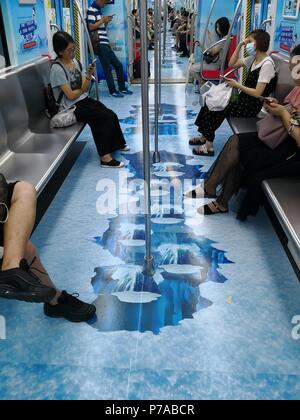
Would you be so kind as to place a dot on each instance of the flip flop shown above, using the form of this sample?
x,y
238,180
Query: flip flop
x,y
193,194
197,141
203,151
208,212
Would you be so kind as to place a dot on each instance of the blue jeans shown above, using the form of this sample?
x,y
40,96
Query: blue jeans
x,y
109,59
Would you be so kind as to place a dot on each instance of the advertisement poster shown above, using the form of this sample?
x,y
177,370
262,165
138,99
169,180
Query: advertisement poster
x,y
26,30
291,9
288,39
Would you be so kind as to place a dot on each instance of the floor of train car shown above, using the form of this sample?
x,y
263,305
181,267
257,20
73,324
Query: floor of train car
x,y
221,330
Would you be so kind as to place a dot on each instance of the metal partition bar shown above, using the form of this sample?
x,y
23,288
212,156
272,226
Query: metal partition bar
x,y
228,42
87,32
157,25
213,3
149,262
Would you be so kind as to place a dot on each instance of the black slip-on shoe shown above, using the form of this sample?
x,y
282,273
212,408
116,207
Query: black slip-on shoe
x,y
70,308
113,164
23,285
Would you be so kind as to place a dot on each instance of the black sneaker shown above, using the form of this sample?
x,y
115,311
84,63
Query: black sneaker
x,y
3,199
113,164
22,284
70,308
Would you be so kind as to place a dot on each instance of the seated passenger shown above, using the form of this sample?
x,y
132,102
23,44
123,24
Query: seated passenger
x,y
104,123
261,81
246,161
216,53
23,276
137,25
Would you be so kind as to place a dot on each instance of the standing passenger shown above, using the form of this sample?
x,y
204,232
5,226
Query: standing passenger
x,y
97,22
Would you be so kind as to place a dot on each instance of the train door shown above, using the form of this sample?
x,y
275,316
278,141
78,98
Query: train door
x,y
4,55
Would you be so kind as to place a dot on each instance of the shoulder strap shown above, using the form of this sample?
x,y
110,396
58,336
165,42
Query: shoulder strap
x,y
61,95
60,65
80,65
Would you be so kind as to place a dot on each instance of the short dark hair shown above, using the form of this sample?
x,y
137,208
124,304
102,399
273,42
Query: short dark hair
x,y
224,26
296,51
262,39
61,41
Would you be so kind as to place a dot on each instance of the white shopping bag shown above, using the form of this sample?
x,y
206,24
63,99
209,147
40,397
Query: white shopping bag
x,y
203,91
218,97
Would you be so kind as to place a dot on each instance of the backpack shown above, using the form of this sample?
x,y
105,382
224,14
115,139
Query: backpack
x,y
137,71
53,105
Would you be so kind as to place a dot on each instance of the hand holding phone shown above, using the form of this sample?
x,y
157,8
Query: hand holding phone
x,y
267,101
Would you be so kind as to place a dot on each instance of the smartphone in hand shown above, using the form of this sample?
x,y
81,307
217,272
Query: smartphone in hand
x,y
267,101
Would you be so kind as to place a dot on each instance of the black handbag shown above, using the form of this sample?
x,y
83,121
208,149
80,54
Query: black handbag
x,y
3,199
211,58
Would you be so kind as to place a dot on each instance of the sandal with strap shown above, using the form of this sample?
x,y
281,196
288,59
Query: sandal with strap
x,y
194,195
197,141
203,151
206,210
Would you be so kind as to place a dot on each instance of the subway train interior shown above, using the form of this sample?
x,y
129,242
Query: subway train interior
x,y
149,200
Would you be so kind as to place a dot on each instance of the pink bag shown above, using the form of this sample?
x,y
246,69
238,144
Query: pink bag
x,y
271,130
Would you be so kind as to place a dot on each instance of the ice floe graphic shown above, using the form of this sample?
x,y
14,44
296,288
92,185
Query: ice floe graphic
x,y
129,301
168,123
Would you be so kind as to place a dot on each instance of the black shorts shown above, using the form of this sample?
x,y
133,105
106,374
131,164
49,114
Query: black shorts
x,y
11,188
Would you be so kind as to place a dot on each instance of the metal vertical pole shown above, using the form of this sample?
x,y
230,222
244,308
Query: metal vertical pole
x,y
165,29
149,261
160,53
87,32
157,25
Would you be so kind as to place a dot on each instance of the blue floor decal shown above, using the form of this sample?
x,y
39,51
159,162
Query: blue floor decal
x,y
183,262
214,322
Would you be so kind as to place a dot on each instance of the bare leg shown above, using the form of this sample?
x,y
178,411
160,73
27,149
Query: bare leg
x,y
19,226
31,254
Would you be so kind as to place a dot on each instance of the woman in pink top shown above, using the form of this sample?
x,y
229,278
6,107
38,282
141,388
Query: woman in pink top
x,y
246,161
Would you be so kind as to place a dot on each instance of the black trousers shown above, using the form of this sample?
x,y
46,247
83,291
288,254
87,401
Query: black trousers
x,y
262,163
104,124
208,121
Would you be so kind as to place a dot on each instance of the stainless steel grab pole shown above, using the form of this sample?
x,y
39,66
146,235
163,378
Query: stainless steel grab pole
x,y
229,39
87,32
212,7
157,24
165,29
149,261
160,53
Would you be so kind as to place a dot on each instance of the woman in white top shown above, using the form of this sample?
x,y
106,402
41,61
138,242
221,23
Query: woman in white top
x,y
261,81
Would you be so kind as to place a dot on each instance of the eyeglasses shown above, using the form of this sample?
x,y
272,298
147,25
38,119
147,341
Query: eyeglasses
x,y
71,49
